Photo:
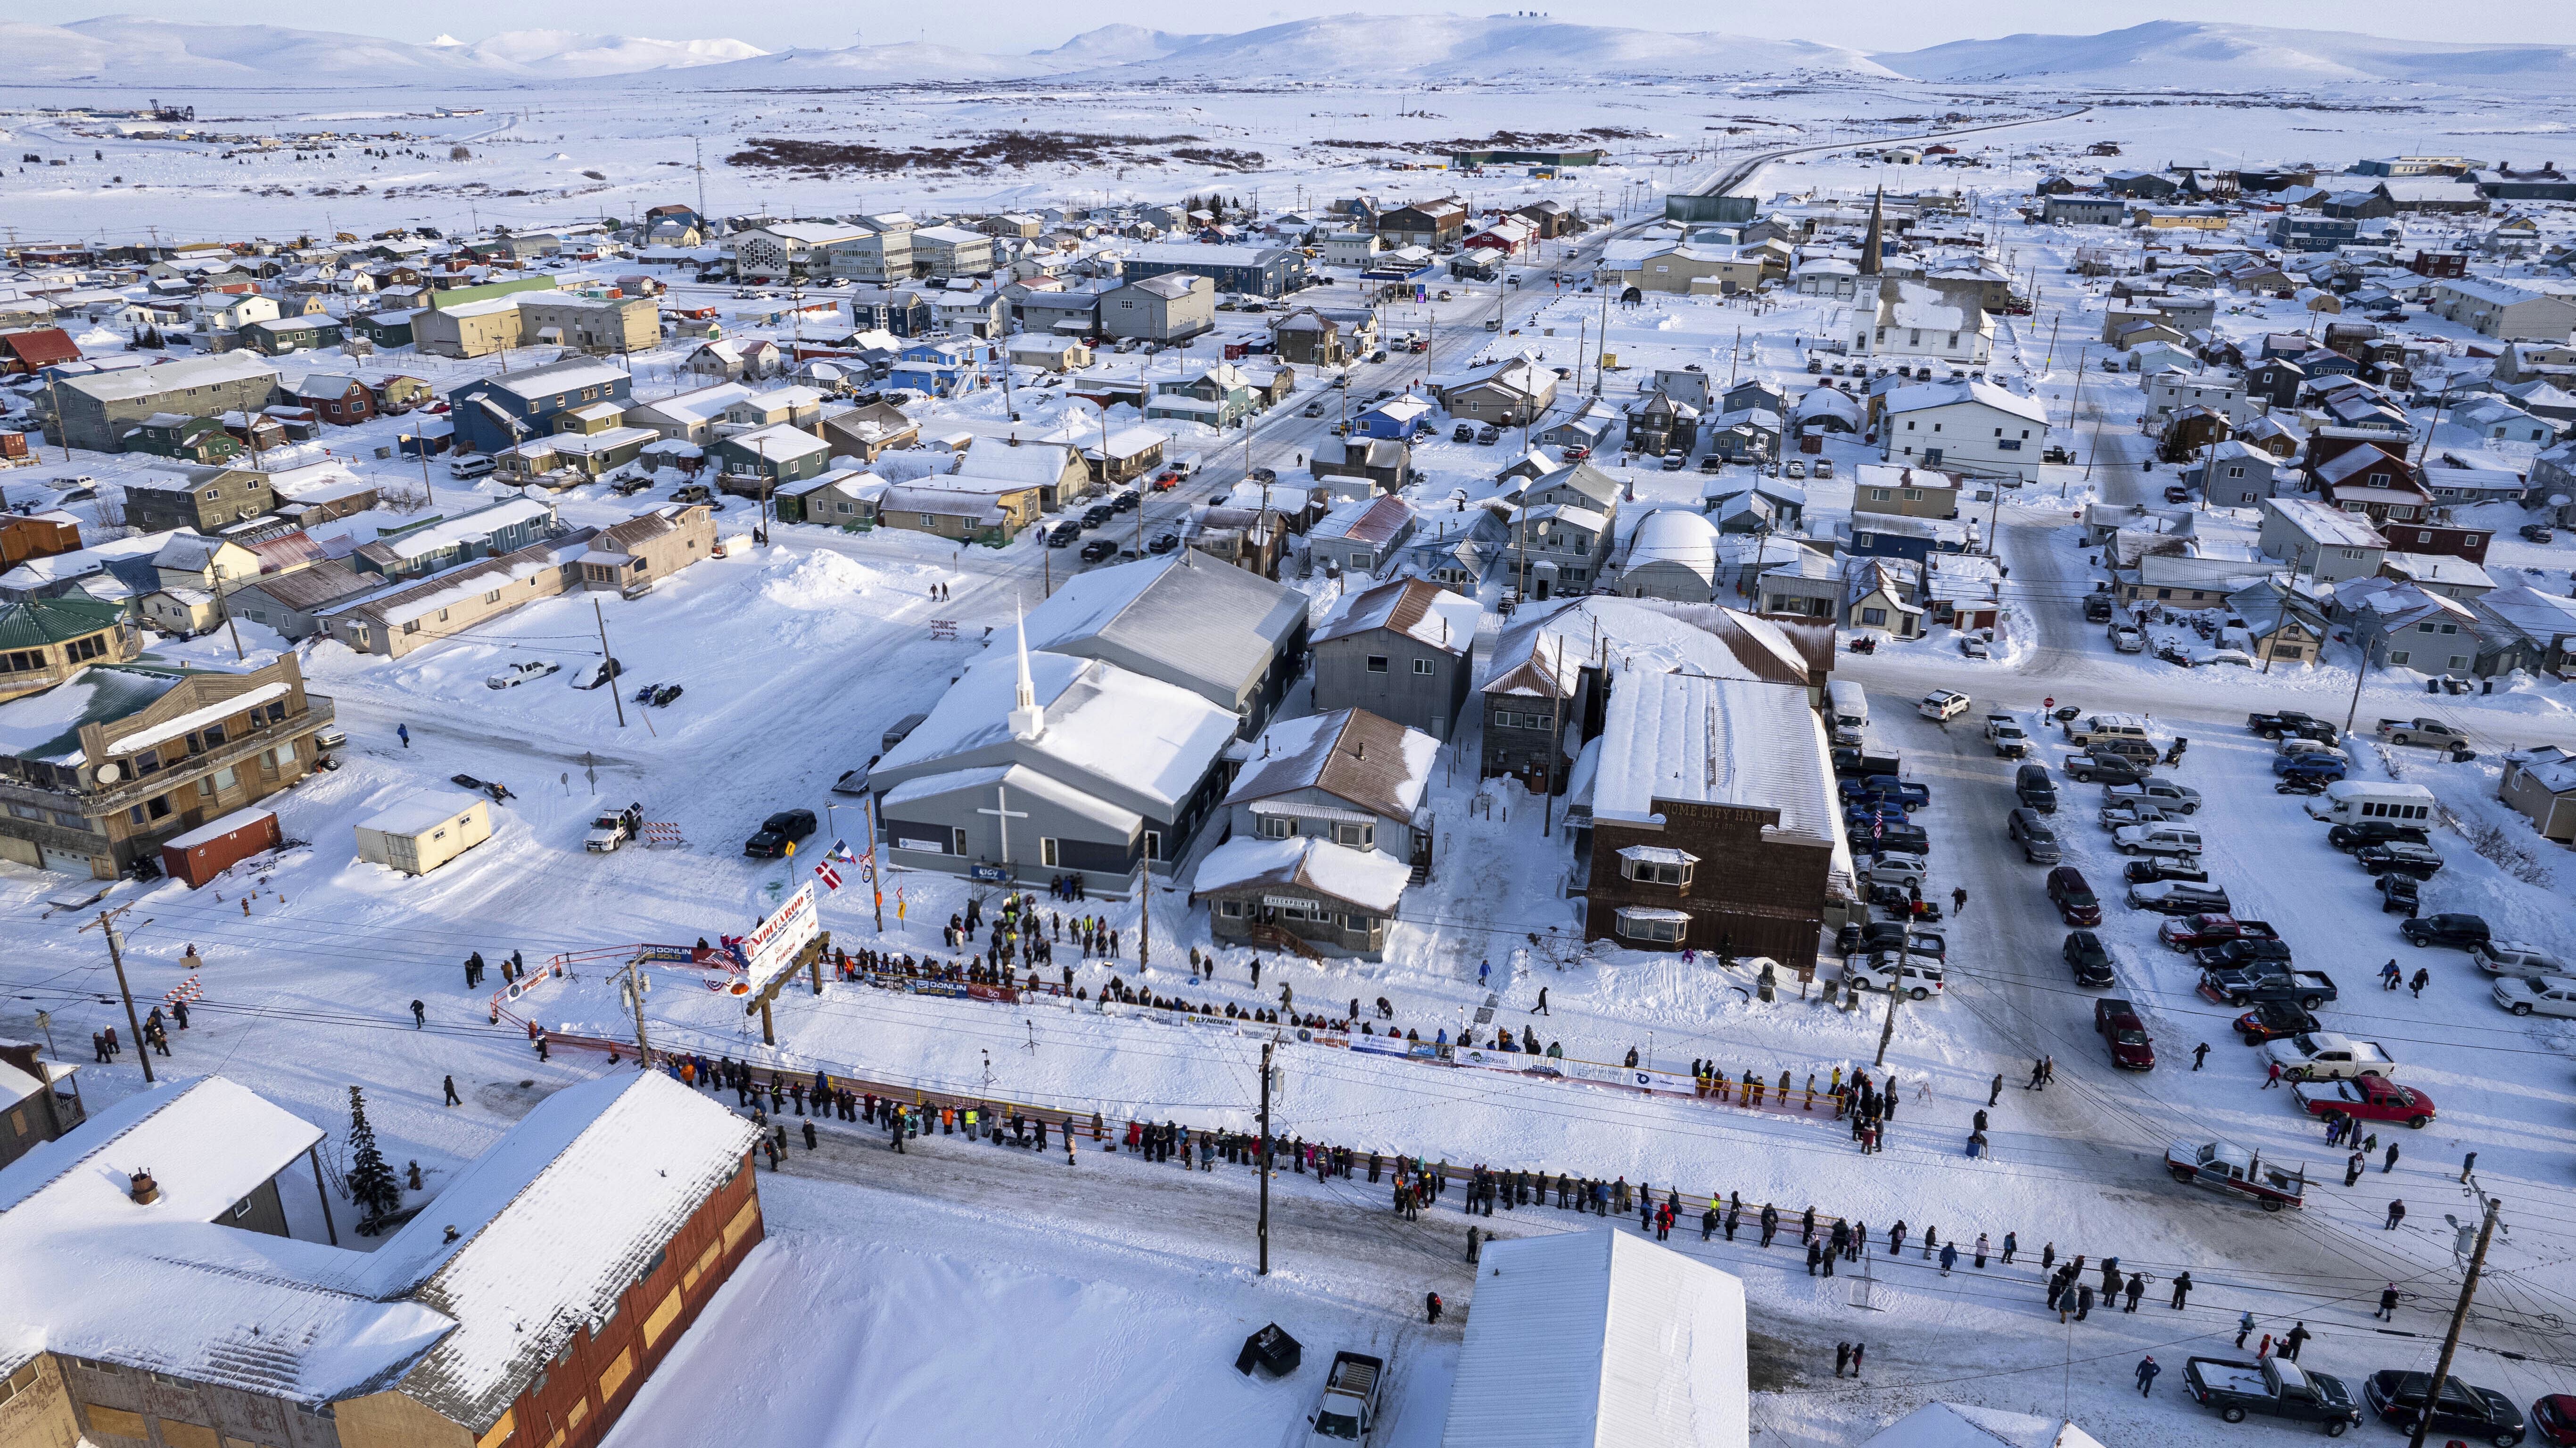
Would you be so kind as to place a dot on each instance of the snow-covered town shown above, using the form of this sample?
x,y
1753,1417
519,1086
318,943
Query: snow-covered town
x,y
1440,636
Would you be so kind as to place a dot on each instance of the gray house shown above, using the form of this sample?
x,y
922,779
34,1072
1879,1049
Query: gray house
x,y
96,412
1037,765
1401,651
1360,536
1232,638
1327,830
1171,307
2235,475
1561,535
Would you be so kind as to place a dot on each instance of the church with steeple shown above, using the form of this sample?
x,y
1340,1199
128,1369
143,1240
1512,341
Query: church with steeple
x,y
1036,765
1899,316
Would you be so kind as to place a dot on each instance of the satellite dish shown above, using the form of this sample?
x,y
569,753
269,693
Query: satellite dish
x,y
109,773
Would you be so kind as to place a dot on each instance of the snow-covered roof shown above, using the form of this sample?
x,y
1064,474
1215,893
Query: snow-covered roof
x,y
1675,535
558,377
1372,520
87,1272
1705,740
1373,880
1374,763
1604,1340
133,383
1123,733
2327,526
472,527
1957,1425
1418,609
1917,396
1217,626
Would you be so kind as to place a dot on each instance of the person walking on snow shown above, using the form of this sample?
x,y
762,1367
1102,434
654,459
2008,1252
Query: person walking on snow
x,y
2181,1289
403,732
1958,902
2396,1214
2390,1164
1995,1093
1842,1357
2244,1329
2272,1077
2298,1338
1949,1257
2199,1054
2387,1303
2137,1289
2389,975
2147,1370
2415,986
419,1015
1431,1308
452,1098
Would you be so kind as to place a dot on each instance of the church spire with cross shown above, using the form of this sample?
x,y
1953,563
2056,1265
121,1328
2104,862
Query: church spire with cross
x,y
1873,242
1028,721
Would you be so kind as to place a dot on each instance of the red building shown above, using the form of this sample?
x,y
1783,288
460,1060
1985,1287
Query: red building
x,y
30,349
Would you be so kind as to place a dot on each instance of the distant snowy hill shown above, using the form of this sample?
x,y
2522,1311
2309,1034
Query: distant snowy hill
x,y
2202,53
1492,47
126,50
1117,45
565,52
139,50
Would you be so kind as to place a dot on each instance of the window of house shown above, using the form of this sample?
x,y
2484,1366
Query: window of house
x,y
1357,837
2398,658
224,780
158,806
1277,827
1422,666
1873,617
1377,663
1653,872
1657,925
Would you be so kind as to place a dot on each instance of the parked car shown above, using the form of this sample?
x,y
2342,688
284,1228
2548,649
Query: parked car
x,y
1098,549
778,832
1463,432
2039,844
2097,608
2117,1023
2005,733
2156,839
2291,723
854,781
1164,543
2147,869
1974,647
1916,977
2353,836
330,737
1909,793
598,673
1350,1406
613,827
2460,1411
2365,1098
2273,1020
476,466
2095,767
2512,957
2399,894
2400,857
1898,870
2319,769
2546,995
2327,1056
2555,1415
2075,901
2535,533
2461,932
2195,932
2270,1386
2164,794
1488,435
2089,958
1064,535
2240,953
2179,897
520,673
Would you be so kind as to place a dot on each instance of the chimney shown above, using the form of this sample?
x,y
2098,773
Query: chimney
x,y
451,1234
144,1190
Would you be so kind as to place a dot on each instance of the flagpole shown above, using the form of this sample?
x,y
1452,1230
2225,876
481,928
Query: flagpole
x,y
876,881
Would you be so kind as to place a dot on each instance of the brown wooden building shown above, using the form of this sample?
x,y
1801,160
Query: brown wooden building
x,y
1713,814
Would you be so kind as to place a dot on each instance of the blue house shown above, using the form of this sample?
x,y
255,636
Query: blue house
x,y
492,413
1261,271
899,310
1397,418
1892,535
942,368
2297,231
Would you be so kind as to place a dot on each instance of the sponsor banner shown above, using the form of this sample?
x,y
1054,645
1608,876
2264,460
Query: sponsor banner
x,y
927,847
770,950
1004,993
949,989
1380,1045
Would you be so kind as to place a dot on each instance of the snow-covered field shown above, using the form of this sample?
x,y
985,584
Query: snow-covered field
x,y
962,1294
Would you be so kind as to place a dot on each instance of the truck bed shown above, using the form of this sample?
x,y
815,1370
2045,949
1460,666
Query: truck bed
x,y
2222,1376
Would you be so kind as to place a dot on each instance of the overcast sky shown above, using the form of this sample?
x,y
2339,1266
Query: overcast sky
x,y
1021,25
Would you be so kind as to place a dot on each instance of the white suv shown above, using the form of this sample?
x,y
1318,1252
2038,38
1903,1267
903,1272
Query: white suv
x,y
1943,704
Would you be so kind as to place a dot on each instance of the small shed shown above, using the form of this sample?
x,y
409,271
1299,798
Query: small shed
x,y
210,849
425,831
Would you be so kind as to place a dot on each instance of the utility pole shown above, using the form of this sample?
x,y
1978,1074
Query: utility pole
x,y
2360,671
224,605
106,923
608,662
1261,1159
635,998
1887,1032
2459,1317
1144,902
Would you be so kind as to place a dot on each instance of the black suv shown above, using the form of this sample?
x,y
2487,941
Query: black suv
x,y
2400,857
2457,931
2088,958
2235,954
778,832
2461,1410
2348,838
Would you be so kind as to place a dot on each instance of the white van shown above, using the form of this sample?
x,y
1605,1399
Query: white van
x,y
1849,709
2350,801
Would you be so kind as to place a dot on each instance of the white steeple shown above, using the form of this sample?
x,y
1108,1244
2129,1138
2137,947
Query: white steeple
x,y
1028,721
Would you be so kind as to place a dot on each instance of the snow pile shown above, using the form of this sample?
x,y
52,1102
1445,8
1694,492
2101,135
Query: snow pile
x,y
820,581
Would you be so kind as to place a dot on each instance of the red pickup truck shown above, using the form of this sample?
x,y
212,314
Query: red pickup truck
x,y
2370,1098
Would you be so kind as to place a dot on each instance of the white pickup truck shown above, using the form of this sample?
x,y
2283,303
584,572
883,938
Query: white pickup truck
x,y
2005,733
1349,1411
2325,1056
2431,732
